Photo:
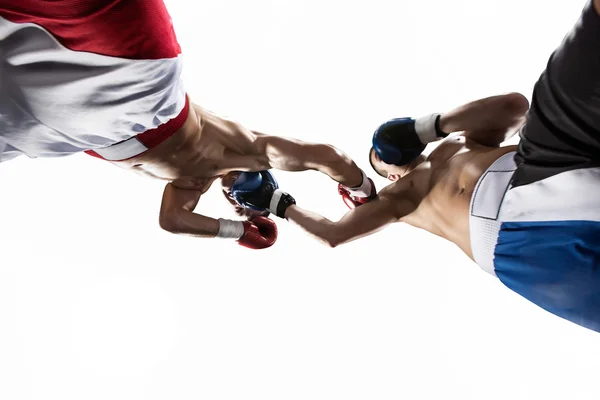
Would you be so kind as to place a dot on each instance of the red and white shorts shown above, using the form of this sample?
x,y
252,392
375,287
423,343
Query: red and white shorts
x,y
97,76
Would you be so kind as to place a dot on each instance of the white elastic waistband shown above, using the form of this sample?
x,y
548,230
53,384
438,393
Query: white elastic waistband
x,y
485,208
121,151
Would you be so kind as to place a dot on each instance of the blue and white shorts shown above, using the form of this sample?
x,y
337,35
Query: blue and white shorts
x,y
535,214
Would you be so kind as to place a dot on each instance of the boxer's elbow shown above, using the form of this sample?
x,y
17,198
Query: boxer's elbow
x,y
328,242
167,220
166,225
517,103
327,234
332,244
333,238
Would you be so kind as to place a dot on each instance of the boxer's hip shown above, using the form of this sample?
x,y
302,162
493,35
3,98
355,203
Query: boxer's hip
x,y
548,245
542,240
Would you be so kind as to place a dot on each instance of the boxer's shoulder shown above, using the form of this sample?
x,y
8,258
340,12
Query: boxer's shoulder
x,y
407,191
447,148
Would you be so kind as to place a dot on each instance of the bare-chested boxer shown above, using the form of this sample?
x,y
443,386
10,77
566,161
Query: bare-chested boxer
x,y
104,78
529,215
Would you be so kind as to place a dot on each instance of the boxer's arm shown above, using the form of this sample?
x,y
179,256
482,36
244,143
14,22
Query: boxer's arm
x,y
295,155
362,221
177,216
488,121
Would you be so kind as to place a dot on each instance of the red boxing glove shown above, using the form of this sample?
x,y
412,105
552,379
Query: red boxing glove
x,y
354,197
259,233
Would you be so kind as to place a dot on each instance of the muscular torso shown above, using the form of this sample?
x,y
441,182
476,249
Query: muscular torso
x,y
442,187
204,149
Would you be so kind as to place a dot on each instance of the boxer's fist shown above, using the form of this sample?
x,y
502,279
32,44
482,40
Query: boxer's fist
x,y
259,233
227,183
353,201
354,197
260,191
401,140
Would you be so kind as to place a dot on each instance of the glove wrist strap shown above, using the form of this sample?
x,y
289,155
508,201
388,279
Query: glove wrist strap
x,y
364,190
438,131
280,201
428,128
229,229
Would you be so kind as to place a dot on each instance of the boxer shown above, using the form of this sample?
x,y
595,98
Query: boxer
x,y
105,78
529,215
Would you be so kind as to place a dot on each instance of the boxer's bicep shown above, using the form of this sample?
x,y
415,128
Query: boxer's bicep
x,y
177,216
488,121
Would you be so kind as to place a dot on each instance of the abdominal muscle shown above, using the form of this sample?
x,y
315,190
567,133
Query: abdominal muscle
x,y
205,148
445,209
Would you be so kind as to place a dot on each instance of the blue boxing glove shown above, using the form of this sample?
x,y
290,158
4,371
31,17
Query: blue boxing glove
x,y
259,191
401,140
248,182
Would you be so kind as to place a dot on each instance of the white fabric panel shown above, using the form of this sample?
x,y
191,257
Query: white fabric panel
x,y
55,101
484,224
365,188
425,128
123,150
569,196
493,186
275,201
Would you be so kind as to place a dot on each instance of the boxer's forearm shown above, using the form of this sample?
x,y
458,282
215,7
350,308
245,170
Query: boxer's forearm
x,y
295,155
188,223
314,224
361,221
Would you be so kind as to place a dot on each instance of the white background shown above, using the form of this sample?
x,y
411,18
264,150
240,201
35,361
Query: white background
x,y
96,302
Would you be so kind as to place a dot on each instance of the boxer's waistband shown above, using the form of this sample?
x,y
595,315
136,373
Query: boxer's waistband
x,y
138,144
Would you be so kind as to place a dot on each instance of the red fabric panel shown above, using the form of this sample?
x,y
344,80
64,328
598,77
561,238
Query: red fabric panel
x,y
133,29
153,137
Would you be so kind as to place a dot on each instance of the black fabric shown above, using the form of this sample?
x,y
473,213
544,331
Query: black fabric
x,y
562,130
